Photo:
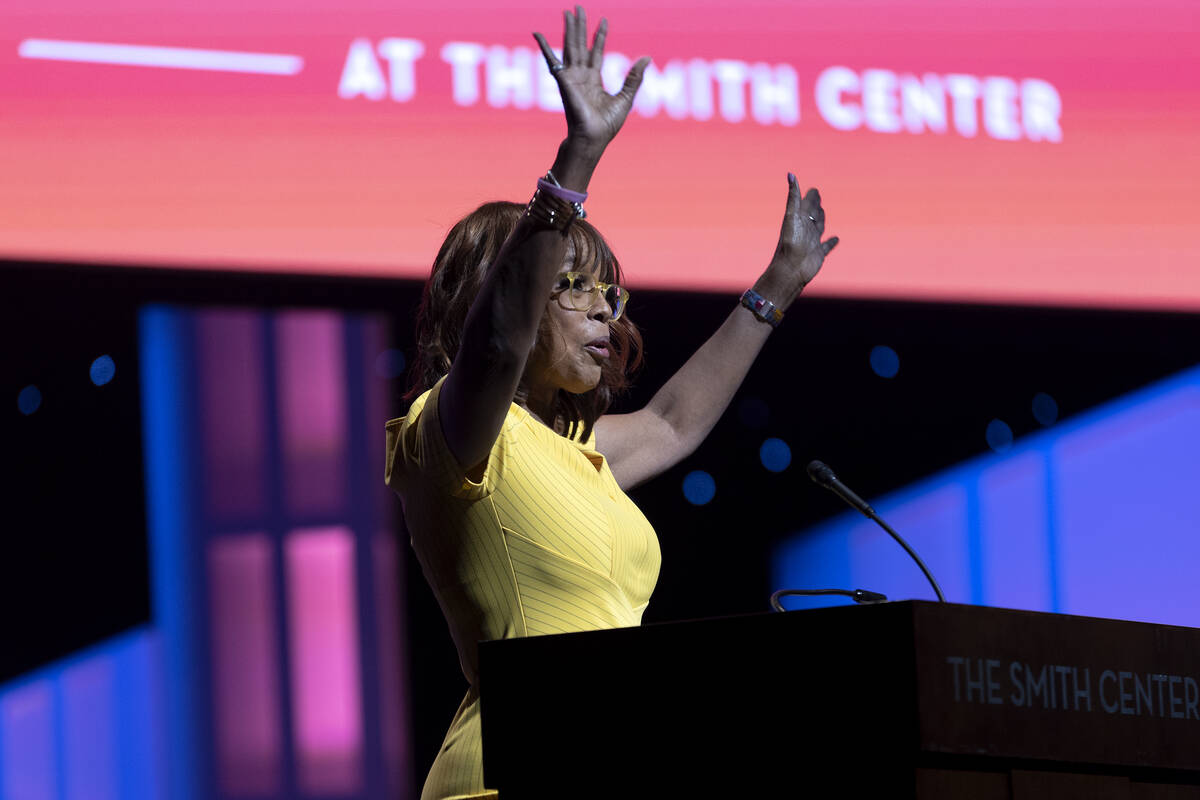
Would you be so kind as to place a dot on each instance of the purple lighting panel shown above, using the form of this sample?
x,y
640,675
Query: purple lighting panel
x,y
280,637
324,658
231,365
246,689
89,745
27,731
312,406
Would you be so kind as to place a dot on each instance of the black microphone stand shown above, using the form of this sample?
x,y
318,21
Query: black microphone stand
x,y
822,475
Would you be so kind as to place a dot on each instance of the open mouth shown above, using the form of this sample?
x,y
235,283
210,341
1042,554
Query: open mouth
x,y
598,347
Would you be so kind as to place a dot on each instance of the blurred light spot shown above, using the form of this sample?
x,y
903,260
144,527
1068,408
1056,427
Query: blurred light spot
x,y
390,363
884,361
1045,409
29,400
102,370
753,412
999,435
699,487
775,455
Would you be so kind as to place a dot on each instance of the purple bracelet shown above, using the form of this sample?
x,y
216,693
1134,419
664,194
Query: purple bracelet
x,y
561,193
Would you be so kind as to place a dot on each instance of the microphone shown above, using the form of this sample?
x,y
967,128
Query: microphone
x,y
822,475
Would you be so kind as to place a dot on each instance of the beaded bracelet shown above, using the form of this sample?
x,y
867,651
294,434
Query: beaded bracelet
x,y
552,211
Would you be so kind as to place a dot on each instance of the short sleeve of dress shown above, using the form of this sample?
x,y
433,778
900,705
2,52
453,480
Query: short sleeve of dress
x,y
417,453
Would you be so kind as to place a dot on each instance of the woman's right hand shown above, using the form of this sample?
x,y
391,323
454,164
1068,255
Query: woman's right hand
x,y
593,115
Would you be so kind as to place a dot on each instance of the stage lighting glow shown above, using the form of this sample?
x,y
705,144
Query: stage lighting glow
x,y
775,455
102,370
1045,409
999,435
29,400
699,487
885,362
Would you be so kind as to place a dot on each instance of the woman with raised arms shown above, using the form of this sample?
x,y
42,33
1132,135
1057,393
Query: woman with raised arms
x,y
512,476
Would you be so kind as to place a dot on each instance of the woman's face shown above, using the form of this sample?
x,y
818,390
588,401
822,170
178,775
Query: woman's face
x,y
572,353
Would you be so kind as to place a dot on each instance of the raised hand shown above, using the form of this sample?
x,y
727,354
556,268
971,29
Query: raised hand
x,y
800,251
593,115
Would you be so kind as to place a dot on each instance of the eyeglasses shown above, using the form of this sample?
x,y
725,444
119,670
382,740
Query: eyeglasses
x,y
577,291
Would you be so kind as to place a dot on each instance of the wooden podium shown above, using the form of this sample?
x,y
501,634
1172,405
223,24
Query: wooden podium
x,y
899,700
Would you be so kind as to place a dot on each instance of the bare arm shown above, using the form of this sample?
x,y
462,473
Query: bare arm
x,y
645,443
501,327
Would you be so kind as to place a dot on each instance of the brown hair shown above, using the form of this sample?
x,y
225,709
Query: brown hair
x,y
458,272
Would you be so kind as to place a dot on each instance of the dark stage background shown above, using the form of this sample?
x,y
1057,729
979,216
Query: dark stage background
x,y
73,569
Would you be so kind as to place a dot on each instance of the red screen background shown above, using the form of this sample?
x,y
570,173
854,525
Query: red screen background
x,y
138,165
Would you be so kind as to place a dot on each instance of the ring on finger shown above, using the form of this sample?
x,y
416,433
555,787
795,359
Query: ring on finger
x,y
556,68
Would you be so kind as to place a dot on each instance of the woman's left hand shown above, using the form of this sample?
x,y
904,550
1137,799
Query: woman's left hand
x,y
593,115
800,251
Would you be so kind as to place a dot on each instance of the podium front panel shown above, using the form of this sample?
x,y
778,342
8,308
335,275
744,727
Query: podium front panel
x,y
862,695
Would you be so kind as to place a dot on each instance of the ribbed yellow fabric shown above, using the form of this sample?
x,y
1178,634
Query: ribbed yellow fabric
x,y
546,542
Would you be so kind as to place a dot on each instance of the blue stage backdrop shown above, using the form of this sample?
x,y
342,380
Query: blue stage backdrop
x,y
1091,517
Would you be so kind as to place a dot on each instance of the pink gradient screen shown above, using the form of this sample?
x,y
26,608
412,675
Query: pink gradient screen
x,y
1002,151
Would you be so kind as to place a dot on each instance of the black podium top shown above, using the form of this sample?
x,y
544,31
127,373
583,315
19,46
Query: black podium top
x,y
757,703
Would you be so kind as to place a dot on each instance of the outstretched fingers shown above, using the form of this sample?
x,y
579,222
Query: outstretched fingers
x,y
597,54
633,79
575,51
548,53
570,53
575,37
581,29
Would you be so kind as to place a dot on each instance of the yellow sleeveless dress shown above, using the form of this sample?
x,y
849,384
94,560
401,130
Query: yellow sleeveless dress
x,y
546,542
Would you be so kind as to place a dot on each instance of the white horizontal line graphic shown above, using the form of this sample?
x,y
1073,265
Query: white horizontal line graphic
x,y
170,57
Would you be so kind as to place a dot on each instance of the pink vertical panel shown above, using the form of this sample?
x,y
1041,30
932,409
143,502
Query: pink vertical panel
x,y
232,411
325,660
89,729
312,410
27,732
393,668
245,667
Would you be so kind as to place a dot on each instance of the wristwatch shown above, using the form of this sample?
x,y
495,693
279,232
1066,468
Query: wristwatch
x,y
762,308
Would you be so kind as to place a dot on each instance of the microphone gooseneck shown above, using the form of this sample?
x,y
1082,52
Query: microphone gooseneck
x,y
823,476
